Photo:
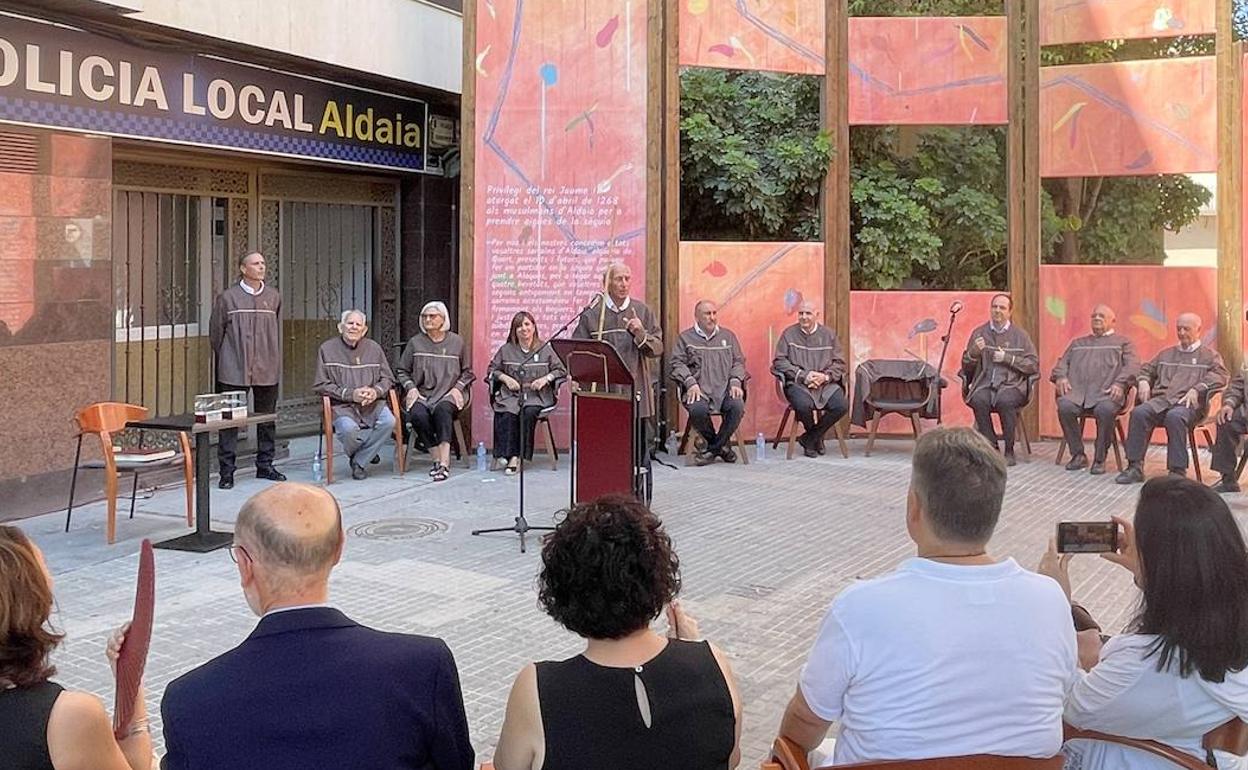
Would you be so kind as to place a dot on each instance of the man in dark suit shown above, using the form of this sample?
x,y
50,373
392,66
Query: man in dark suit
x,y
310,688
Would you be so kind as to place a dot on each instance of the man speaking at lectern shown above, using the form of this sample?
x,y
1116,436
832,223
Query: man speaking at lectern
x,y
633,331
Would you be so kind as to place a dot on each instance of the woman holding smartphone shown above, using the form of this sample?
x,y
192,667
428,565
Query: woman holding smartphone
x,y
1179,670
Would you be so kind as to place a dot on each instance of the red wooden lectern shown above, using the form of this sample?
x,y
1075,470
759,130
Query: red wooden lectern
x,y
606,438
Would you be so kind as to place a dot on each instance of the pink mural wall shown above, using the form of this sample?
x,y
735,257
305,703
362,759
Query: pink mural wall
x,y
1083,21
1129,118
769,35
927,71
561,160
758,287
1146,299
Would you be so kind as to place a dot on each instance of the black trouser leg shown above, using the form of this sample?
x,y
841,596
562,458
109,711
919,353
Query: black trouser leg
x,y
1068,414
980,403
1226,446
700,418
506,435
1143,419
731,411
803,405
265,398
227,440
833,410
528,427
1007,403
1106,415
1177,420
443,420
421,420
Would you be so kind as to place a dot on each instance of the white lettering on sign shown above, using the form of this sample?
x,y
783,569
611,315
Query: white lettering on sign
x,y
86,78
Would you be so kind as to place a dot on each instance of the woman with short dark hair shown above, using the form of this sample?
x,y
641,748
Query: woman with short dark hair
x,y
42,725
524,370
633,698
1179,671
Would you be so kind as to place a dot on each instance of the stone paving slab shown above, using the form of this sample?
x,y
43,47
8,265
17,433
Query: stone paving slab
x,y
763,550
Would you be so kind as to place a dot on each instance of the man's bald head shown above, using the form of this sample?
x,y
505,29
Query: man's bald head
x,y
293,532
807,315
1103,319
1187,328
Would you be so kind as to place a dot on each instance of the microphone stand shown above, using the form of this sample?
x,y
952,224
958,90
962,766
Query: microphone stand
x,y
954,309
521,526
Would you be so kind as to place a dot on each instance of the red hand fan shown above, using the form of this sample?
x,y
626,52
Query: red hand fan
x,y
132,658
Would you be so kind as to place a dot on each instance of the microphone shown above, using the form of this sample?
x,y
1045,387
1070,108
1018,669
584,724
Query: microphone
x,y
955,308
594,300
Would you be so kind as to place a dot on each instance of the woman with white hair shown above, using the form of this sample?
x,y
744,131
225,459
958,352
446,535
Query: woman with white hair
x,y
436,374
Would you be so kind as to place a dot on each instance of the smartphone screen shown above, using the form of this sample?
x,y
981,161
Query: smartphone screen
x,y
1087,537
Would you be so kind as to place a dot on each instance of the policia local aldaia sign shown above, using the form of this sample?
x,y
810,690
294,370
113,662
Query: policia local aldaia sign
x,y
57,77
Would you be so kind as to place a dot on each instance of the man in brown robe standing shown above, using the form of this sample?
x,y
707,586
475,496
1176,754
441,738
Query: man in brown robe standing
x,y
811,363
245,331
708,363
998,365
1093,377
1232,425
633,330
354,373
1173,391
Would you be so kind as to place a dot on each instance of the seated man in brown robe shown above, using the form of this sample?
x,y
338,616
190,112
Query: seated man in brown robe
x,y
1173,391
354,373
997,365
812,365
1232,425
1093,377
708,363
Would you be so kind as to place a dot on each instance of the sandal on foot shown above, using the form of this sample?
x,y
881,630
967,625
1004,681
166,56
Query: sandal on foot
x,y
441,473
511,468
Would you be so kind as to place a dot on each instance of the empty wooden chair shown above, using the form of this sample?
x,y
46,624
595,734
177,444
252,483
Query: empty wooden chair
x,y
103,420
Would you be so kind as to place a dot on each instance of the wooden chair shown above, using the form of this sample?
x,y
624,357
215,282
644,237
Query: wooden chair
x,y
786,755
839,428
543,419
103,420
1231,737
1203,426
459,445
1116,439
892,395
327,430
967,374
684,436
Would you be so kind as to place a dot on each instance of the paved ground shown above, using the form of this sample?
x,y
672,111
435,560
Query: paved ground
x,y
763,549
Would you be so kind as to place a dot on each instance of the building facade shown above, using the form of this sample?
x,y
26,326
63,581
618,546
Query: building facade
x,y
145,145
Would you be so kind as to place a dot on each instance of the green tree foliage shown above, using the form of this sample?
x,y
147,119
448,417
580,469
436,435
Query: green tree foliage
x,y
752,156
1241,19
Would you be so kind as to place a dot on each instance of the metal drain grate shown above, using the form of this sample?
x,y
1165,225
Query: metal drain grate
x,y
397,529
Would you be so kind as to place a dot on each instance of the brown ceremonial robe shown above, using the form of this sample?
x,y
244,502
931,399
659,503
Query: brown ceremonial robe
x,y
1234,396
712,364
340,369
820,351
434,368
1172,373
245,331
524,367
1012,373
1094,364
632,352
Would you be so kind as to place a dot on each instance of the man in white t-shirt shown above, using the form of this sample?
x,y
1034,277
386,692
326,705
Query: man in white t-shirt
x,y
955,652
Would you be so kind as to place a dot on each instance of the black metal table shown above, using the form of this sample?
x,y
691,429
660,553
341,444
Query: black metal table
x,y
203,539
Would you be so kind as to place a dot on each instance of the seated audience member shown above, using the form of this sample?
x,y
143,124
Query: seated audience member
x,y
1232,425
1174,391
998,364
955,652
632,699
709,364
435,373
354,373
43,726
1178,672
1092,378
310,688
523,367
812,364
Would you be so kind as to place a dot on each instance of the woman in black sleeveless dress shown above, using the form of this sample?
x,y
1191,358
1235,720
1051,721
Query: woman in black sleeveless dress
x,y
633,699
42,725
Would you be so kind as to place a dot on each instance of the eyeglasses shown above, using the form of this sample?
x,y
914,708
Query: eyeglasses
x,y
232,547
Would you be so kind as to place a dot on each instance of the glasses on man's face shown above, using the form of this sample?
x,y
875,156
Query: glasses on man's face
x,y
234,556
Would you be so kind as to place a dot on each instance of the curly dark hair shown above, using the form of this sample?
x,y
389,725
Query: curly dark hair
x,y
25,606
608,569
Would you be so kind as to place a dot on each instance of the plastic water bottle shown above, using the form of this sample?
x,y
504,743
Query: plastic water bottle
x,y
481,462
317,475
760,447
672,444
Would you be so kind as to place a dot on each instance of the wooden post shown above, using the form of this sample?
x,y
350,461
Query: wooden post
x,y
663,223
836,257
1230,200
1023,174
467,174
